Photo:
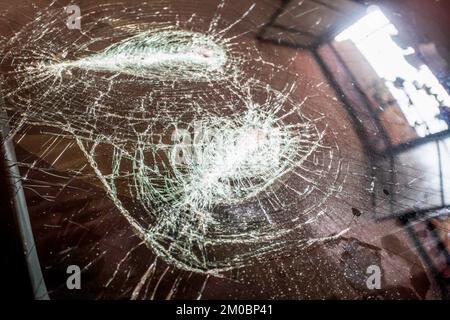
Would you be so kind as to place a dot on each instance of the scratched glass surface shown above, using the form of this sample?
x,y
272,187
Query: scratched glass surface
x,y
232,149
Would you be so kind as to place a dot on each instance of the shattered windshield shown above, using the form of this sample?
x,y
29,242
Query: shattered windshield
x,y
227,150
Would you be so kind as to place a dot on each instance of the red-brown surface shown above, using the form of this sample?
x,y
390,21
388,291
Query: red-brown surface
x,y
75,222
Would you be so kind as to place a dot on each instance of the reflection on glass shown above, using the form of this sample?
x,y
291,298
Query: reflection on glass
x,y
417,90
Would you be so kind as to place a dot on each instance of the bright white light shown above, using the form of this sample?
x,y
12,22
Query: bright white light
x,y
372,35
